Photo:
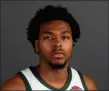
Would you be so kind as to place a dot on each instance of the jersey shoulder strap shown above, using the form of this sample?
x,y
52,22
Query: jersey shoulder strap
x,y
30,80
82,80
77,79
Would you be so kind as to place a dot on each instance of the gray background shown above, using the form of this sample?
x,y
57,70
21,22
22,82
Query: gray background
x,y
90,55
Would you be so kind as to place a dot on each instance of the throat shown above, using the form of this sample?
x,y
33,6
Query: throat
x,y
56,79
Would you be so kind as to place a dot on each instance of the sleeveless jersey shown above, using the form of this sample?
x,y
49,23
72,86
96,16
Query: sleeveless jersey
x,y
33,81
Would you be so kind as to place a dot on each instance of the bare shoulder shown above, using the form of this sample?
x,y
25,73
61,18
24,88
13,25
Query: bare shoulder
x,y
89,82
14,83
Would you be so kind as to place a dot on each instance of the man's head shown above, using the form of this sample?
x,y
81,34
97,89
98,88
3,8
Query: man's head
x,y
52,33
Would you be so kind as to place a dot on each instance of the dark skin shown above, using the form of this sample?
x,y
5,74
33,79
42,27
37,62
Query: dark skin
x,y
55,47
53,35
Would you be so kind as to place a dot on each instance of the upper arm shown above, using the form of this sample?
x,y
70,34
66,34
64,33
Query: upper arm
x,y
89,83
14,83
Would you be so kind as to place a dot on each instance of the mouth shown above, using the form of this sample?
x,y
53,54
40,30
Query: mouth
x,y
58,55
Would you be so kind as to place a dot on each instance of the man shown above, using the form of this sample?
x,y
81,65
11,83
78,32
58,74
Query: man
x,y
52,32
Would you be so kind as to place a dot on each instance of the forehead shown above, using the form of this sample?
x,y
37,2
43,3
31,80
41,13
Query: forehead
x,y
55,26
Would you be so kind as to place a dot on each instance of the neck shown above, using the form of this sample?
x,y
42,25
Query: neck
x,y
53,76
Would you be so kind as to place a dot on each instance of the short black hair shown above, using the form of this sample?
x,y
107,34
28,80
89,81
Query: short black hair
x,y
49,13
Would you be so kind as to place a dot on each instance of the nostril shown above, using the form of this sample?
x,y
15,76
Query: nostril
x,y
57,45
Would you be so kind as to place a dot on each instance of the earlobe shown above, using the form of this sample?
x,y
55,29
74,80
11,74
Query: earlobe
x,y
36,45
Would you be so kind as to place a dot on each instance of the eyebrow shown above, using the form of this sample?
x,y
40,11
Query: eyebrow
x,y
66,32
47,32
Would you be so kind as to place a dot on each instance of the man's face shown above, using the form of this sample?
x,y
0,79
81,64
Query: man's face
x,y
55,43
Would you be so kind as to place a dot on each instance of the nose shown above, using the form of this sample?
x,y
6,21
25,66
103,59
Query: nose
x,y
57,45
58,42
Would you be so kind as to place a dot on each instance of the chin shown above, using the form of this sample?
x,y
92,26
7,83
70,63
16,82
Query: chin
x,y
57,65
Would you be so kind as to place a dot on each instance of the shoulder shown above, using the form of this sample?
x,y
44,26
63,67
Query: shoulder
x,y
14,83
87,79
89,82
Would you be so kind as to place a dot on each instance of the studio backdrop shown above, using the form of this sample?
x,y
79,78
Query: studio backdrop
x,y
90,54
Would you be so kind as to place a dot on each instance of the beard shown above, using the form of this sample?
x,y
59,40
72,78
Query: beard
x,y
57,66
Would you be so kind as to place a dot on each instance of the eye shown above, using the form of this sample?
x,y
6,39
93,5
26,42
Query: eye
x,y
47,37
66,37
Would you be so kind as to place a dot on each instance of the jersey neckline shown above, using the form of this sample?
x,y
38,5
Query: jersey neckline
x,y
67,83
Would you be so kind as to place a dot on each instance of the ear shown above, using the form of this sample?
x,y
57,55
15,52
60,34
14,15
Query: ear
x,y
36,45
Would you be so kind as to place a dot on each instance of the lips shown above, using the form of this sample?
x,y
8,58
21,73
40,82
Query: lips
x,y
58,54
